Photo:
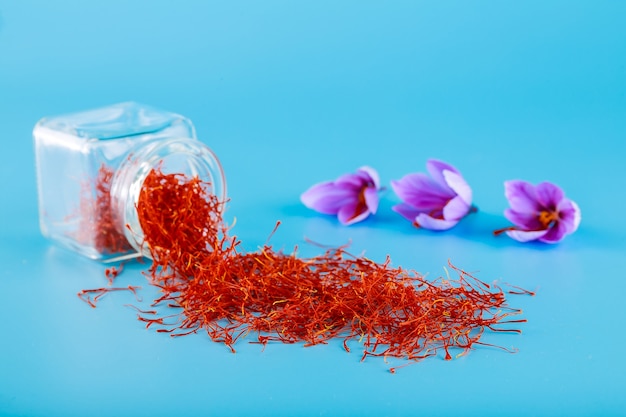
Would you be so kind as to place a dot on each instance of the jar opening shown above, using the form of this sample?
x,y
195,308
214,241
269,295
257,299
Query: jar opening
x,y
185,156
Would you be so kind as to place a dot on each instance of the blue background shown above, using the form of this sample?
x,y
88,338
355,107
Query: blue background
x,y
292,93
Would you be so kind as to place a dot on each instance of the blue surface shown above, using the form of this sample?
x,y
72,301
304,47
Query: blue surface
x,y
292,93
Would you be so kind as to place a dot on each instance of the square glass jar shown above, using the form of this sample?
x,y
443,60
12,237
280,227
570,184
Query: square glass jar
x,y
78,160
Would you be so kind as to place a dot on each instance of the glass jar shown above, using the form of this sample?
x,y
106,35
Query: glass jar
x,y
91,166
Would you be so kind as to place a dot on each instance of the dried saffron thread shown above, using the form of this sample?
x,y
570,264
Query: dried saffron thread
x,y
112,272
393,312
519,290
97,293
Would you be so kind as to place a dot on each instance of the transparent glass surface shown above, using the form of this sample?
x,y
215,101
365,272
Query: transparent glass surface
x,y
170,156
78,156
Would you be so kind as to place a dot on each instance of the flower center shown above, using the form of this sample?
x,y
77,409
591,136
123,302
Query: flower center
x,y
548,218
361,205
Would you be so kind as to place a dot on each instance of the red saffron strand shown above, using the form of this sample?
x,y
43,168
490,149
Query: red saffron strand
x,y
97,293
112,272
520,290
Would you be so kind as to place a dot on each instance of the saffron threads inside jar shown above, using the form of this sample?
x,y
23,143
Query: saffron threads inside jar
x,y
97,225
229,293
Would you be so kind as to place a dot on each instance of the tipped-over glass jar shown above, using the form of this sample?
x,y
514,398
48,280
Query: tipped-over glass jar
x,y
91,166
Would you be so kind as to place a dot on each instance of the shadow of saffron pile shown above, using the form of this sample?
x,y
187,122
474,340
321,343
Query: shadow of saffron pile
x,y
273,296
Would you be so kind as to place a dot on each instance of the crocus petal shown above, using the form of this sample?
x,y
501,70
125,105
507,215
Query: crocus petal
x,y
370,195
328,198
569,219
526,236
436,169
458,184
352,197
428,222
521,195
407,211
548,195
352,213
364,177
421,192
437,202
350,181
569,215
526,221
456,209
540,213
370,174
555,233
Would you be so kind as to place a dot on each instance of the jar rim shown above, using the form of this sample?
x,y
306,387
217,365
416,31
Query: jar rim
x,y
198,160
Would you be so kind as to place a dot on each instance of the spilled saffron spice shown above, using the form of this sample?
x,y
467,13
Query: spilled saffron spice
x,y
228,293
213,286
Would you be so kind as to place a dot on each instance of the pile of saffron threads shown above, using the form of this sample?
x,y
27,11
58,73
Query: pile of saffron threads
x,y
272,296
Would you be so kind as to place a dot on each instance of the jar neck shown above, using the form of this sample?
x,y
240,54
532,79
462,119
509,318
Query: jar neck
x,y
178,155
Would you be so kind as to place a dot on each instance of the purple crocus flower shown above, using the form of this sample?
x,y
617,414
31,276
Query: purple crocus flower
x,y
437,202
539,212
352,197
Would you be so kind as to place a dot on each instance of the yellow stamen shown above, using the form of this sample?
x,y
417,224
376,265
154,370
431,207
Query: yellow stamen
x,y
548,218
